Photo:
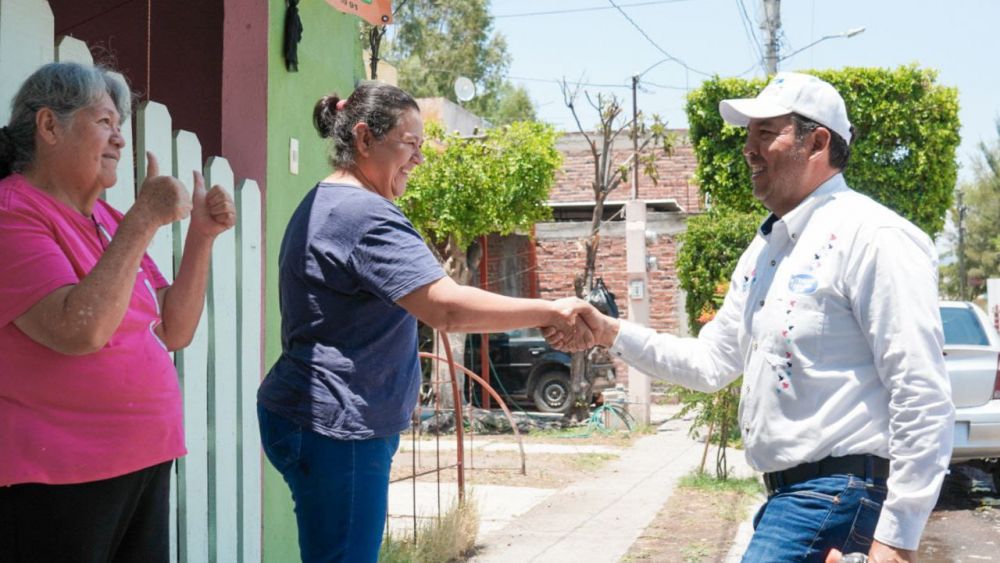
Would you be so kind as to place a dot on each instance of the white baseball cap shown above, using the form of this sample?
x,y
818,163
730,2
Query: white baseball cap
x,y
791,92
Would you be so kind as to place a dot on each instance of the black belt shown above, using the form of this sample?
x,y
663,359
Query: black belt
x,y
859,465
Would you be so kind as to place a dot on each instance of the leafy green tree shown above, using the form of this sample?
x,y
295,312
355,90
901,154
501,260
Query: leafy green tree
x,y
470,187
903,155
981,215
439,40
512,104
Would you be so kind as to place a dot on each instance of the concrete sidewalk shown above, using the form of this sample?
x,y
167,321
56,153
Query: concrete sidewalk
x,y
600,518
594,520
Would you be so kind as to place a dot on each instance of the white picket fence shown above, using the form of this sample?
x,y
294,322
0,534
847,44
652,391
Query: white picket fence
x,y
216,490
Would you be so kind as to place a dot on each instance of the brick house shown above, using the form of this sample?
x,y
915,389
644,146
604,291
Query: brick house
x,y
546,267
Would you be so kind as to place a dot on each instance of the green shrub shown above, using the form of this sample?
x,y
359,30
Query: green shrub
x,y
903,153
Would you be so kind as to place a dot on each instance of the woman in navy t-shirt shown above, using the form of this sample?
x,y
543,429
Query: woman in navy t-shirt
x,y
354,278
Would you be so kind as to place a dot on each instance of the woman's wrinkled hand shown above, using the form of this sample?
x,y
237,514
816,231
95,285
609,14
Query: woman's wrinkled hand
x,y
161,199
213,211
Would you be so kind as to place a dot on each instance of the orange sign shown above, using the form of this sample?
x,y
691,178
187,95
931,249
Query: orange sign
x,y
375,12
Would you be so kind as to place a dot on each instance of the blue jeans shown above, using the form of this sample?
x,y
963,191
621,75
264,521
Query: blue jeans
x,y
340,488
802,522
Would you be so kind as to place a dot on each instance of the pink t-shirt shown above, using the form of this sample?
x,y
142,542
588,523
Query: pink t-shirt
x,y
72,419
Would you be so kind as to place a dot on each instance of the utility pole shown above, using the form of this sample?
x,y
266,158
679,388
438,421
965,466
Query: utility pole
x,y
635,268
771,26
635,138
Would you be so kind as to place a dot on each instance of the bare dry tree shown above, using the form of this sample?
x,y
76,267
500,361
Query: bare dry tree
x,y
609,174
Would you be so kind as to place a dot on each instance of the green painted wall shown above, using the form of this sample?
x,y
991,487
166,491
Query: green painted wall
x,y
329,60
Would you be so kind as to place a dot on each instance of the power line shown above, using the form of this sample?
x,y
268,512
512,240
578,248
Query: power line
x,y
748,29
654,44
554,81
593,9
551,80
749,69
596,85
665,87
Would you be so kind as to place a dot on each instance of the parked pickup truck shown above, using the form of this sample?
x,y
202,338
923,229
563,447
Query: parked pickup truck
x,y
527,371
972,356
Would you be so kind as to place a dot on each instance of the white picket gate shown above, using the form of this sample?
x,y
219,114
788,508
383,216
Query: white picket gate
x,y
216,511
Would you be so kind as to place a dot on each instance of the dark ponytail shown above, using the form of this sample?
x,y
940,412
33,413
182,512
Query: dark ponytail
x,y
376,104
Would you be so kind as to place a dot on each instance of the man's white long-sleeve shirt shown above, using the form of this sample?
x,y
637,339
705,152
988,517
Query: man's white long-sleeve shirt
x,y
832,318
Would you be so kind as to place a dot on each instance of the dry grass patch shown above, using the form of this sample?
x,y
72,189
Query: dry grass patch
x,y
450,538
493,467
546,471
698,523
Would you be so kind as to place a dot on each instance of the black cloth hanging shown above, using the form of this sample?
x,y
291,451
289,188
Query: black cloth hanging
x,y
293,34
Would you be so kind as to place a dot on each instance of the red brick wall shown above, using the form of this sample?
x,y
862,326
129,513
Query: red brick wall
x,y
510,266
559,261
676,175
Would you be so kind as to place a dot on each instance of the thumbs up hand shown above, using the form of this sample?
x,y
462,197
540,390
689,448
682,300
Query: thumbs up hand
x,y
213,210
162,199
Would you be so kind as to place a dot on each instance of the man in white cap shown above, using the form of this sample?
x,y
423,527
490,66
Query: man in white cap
x,y
832,319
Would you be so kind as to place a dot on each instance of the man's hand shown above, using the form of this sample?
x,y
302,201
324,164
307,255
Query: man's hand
x,y
879,553
568,329
213,211
603,329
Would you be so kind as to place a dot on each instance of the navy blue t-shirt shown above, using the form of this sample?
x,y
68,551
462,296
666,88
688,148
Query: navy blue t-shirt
x,y
349,366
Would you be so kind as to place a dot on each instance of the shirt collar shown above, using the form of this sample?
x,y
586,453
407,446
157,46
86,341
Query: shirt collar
x,y
796,219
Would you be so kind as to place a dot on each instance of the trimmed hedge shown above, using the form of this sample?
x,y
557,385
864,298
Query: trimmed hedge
x,y
711,247
903,155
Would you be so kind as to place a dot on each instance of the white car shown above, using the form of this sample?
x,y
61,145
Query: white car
x,y
972,356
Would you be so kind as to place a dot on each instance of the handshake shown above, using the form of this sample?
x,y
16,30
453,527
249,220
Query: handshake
x,y
576,326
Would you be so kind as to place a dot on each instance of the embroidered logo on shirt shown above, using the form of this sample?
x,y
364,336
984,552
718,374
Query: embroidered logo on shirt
x,y
803,283
782,367
821,253
749,279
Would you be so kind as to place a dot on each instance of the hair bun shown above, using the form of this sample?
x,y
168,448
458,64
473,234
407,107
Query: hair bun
x,y
325,115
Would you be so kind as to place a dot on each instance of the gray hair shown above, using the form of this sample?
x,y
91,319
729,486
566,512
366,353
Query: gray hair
x,y
840,149
377,104
64,88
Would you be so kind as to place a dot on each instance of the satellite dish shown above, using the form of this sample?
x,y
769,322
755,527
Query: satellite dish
x,y
465,90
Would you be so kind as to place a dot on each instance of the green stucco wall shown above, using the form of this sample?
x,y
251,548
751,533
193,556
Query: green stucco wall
x,y
329,60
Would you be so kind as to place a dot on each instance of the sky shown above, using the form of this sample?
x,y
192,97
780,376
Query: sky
x,y
602,47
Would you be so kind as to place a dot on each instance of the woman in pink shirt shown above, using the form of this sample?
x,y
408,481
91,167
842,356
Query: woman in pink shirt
x,y
90,410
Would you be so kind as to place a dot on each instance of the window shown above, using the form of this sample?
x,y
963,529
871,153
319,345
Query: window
x,y
961,326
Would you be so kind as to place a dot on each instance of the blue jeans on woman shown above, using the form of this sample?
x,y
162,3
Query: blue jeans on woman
x,y
340,488
800,523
